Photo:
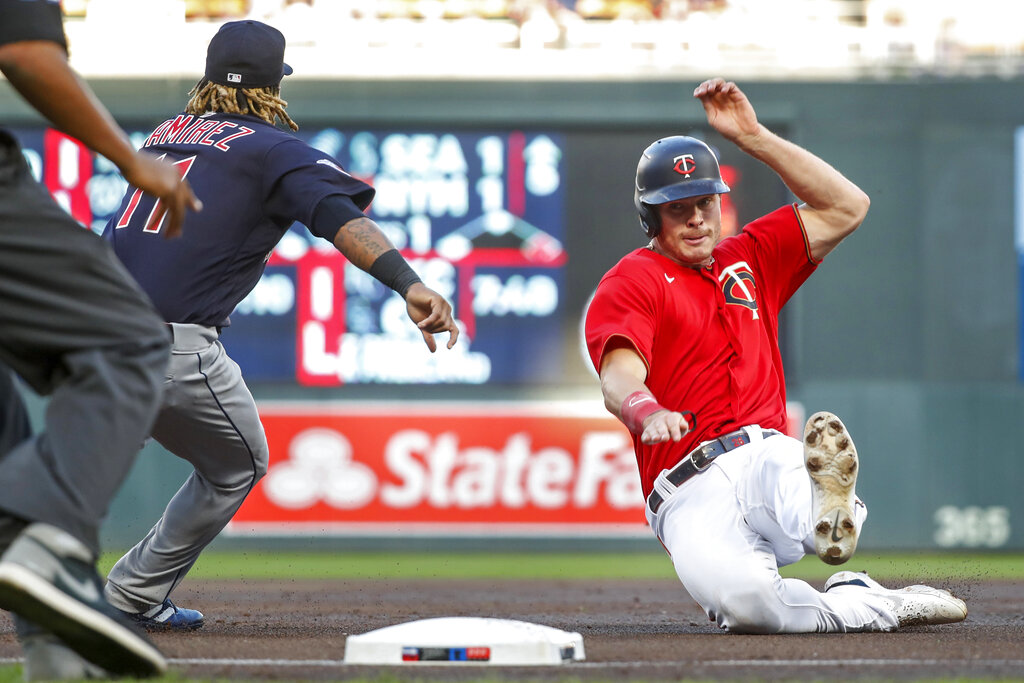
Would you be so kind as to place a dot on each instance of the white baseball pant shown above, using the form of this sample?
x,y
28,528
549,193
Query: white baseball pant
x,y
728,530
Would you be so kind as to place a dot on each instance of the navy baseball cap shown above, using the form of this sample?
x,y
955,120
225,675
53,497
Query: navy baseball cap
x,y
246,54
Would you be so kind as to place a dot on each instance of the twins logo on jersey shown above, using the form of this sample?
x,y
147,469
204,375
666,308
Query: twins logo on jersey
x,y
739,287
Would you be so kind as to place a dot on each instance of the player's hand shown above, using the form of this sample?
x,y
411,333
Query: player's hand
x,y
728,109
432,314
165,182
664,425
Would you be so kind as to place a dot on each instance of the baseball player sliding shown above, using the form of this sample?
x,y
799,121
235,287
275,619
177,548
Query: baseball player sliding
x,y
684,334
254,180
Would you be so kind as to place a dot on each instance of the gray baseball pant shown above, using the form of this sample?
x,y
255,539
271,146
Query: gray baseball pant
x,y
208,418
76,327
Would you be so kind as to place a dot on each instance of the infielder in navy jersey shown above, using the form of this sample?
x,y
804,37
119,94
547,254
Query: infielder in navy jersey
x,y
255,180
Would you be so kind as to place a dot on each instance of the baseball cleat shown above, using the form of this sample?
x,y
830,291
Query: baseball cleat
x,y
831,462
49,577
913,606
168,617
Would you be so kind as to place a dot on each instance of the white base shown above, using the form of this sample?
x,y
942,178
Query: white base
x,y
465,640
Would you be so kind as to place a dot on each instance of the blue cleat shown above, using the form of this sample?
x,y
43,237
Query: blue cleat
x,y
168,617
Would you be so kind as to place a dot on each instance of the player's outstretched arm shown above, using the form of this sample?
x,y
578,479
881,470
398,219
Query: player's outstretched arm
x,y
362,242
833,207
366,246
39,71
627,397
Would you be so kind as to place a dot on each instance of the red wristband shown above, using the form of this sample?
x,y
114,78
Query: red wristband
x,y
636,408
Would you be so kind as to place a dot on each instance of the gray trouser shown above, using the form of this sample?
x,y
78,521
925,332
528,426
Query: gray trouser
x,y
76,327
208,418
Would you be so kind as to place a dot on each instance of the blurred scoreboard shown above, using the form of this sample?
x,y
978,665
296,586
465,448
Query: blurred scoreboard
x,y
479,215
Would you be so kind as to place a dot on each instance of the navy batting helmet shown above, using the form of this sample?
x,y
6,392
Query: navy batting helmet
x,y
674,168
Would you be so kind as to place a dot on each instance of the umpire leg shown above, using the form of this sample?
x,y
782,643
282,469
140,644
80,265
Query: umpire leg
x,y
75,326
15,426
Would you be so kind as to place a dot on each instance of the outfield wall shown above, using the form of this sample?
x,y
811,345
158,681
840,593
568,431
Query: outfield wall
x,y
910,331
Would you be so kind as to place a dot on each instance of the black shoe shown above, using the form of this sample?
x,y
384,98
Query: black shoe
x,y
49,577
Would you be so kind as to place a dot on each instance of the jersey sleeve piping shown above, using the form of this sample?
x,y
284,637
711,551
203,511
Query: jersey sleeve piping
x,y
803,231
629,343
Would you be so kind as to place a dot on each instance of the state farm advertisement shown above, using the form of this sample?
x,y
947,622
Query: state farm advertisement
x,y
545,469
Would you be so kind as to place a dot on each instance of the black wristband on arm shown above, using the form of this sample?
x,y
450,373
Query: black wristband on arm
x,y
391,269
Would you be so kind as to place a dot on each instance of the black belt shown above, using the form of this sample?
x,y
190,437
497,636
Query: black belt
x,y
699,458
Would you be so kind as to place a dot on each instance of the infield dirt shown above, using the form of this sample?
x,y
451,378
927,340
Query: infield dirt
x,y
648,630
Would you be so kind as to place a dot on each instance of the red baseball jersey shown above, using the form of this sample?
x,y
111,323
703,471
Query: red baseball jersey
x,y
708,336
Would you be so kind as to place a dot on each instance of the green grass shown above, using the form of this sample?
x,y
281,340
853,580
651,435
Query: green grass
x,y
920,566
567,566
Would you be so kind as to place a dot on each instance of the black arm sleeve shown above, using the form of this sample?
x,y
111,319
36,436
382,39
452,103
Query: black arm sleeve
x,y
333,211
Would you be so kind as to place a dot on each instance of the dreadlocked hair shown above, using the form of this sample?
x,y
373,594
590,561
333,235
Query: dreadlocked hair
x,y
265,103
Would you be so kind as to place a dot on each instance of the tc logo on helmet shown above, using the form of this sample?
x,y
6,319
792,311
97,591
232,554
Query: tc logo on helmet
x,y
684,165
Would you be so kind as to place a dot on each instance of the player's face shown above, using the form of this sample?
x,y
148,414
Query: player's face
x,y
690,229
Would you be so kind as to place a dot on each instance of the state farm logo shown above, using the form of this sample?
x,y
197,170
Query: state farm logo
x,y
422,469
320,467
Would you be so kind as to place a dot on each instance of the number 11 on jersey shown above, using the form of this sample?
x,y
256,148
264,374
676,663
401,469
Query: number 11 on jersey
x,y
183,166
